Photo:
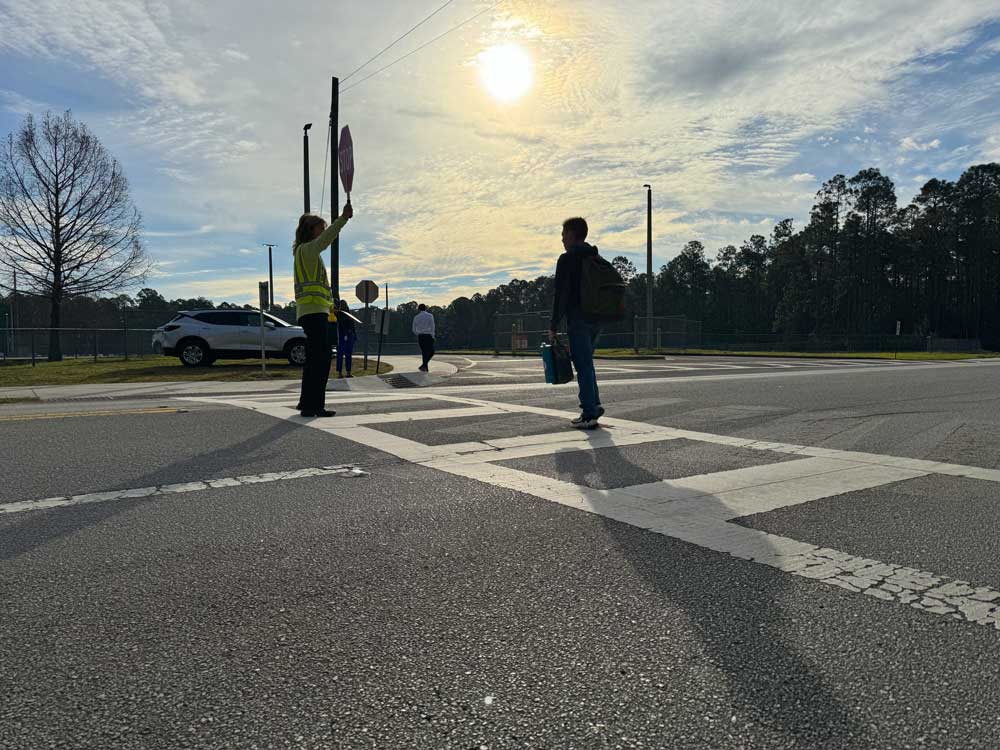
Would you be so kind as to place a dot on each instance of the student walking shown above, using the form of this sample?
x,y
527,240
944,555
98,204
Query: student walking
x,y
346,336
313,301
423,329
582,328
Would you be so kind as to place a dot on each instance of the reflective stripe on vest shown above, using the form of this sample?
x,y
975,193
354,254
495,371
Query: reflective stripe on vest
x,y
310,290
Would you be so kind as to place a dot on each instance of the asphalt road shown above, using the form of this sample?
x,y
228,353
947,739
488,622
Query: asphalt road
x,y
486,370
489,578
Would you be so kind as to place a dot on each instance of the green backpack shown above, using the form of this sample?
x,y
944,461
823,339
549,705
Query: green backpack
x,y
602,290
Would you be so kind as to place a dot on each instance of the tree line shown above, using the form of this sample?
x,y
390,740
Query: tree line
x,y
858,266
861,263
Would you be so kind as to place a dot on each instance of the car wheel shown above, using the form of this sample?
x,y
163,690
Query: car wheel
x,y
194,353
296,353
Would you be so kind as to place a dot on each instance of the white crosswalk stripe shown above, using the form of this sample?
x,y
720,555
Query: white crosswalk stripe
x,y
695,509
180,488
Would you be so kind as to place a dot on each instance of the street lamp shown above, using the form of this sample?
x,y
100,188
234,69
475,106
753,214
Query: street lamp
x,y
305,165
649,266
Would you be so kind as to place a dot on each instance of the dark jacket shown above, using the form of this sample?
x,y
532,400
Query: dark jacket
x,y
566,302
346,327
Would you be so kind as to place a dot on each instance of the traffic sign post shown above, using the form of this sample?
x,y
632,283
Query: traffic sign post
x,y
262,291
383,329
367,292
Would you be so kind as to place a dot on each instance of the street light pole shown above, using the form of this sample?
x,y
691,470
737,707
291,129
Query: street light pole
x,y
305,167
649,266
270,275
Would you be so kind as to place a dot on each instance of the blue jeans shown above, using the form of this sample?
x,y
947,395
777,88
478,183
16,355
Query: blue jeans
x,y
582,340
345,348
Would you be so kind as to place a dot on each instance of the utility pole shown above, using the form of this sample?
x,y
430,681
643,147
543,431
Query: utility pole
x,y
649,266
334,184
13,316
270,275
305,167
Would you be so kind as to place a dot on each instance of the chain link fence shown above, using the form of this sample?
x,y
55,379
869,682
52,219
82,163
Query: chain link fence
x,y
519,333
76,343
122,332
515,333
846,343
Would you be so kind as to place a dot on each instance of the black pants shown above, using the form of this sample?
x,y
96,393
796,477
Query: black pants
x,y
426,342
317,368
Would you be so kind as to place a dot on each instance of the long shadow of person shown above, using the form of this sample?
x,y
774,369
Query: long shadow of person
x,y
40,527
736,610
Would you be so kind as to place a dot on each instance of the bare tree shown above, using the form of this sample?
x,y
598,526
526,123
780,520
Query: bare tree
x,y
68,226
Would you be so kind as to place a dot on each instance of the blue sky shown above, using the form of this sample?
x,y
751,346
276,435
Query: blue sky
x,y
734,112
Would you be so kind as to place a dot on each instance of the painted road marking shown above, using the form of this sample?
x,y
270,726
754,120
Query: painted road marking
x,y
104,413
698,509
64,501
771,373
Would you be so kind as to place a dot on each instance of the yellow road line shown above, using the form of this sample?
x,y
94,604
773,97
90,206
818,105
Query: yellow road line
x,y
65,415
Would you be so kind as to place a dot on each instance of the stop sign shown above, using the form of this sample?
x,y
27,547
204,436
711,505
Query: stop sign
x,y
345,154
367,291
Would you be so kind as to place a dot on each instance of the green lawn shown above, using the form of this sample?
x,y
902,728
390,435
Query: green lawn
x,y
150,370
648,353
916,356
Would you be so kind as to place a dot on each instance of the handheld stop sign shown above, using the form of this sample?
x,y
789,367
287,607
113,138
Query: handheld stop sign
x,y
345,155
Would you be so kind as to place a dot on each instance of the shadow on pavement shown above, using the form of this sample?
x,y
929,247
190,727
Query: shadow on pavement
x,y
40,527
739,623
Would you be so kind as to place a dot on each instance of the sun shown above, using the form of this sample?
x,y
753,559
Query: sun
x,y
506,71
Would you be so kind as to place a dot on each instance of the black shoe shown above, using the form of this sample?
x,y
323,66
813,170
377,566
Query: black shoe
x,y
321,413
600,413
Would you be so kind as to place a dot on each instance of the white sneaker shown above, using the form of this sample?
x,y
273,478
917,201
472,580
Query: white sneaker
x,y
584,423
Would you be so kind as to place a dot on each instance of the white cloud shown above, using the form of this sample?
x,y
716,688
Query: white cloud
x,y
181,175
19,104
204,229
235,54
910,143
712,103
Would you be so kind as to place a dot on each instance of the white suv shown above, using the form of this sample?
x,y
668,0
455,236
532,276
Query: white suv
x,y
199,337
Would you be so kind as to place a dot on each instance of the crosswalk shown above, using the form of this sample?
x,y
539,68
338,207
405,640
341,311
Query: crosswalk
x,y
485,369
697,509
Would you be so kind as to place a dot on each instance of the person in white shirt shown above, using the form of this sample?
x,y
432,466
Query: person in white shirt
x,y
423,329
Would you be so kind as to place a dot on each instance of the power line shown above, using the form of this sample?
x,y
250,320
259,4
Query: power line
x,y
422,46
389,47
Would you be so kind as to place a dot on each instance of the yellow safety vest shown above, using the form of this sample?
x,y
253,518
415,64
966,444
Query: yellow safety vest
x,y
311,288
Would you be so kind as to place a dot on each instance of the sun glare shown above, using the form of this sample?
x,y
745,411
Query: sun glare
x,y
506,71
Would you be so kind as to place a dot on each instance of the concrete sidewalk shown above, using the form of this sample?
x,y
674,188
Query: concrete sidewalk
x,y
402,367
